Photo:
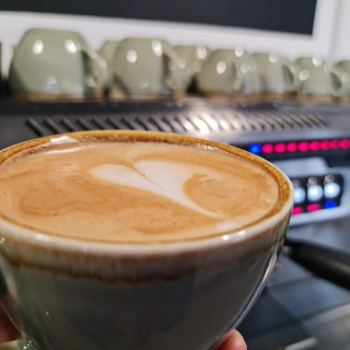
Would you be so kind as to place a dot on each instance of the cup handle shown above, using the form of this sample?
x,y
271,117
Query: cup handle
x,y
99,74
237,78
292,85
338,87
177,78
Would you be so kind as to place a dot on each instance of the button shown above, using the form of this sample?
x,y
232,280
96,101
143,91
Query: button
x,y
331,190
314,193
299,195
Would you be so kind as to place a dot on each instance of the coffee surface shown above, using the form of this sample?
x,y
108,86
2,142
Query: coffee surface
x,y
132,191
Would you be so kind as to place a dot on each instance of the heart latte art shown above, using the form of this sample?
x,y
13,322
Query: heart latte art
x,y
132,191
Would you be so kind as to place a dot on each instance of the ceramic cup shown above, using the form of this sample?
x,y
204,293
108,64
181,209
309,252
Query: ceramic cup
x,y
229,72
318,80
107,52
146,68
184,294
195,57
276,75
54,64
342,70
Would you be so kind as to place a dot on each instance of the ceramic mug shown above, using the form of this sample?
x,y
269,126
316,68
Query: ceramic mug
x,y
54,64
229,72
184,294
342,69
145,68
276,74
318,80
195,56
107,52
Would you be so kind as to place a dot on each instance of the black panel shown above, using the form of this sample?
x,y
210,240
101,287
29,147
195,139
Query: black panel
x,y
291,16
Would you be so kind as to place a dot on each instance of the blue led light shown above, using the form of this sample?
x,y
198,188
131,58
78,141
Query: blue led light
x,y
255,148
330,204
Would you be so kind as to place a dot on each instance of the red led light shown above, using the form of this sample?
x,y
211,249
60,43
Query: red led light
x,y
303,146
324,145
292,147
297,210
344,144
334,144
280,148
314,145
313,207
268,148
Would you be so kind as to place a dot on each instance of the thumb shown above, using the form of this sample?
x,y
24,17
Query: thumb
x,y
234,342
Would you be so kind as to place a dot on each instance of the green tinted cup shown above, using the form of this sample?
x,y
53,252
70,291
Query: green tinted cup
x,y
145,68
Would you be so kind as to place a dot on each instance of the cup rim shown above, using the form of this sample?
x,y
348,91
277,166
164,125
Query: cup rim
x,y
10,229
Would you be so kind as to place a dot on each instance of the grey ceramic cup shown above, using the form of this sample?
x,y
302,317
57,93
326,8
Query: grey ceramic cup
x,y
145,68
195,57
342,69
276,75
92,295
54,64
229,72
318,80
107,52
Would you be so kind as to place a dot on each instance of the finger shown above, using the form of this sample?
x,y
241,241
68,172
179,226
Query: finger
x,y
234,342
7,331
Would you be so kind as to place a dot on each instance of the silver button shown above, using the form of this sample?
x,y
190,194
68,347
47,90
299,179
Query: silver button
x,y
314,193
331,190
299,195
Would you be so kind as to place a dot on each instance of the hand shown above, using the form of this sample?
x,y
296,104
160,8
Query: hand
x,y
8,333
235,341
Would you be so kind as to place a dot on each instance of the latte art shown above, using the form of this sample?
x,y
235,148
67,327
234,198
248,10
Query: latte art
x,y
133,191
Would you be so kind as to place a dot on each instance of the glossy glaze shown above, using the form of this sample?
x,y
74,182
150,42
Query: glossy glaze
x,y
55,64
144,67
229,72
65,294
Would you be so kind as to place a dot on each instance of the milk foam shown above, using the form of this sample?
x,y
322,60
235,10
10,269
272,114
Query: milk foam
x,y
115,191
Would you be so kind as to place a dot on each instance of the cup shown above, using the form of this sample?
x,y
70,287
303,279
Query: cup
x,y
276,74
146,69
179,294
107,52
318,81
195,57
54,64
342,70
229,73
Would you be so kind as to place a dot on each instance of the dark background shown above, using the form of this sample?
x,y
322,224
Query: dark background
x,y
291,16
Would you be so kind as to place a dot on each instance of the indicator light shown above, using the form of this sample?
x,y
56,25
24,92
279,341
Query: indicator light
x,y
343,144
330,204
331,190
255,148
303,146
333,144
324,145
292,147
313,207
280,148
314,146
297,210
268,148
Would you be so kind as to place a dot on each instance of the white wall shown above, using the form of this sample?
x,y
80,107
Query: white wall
x,y
98,29
341,43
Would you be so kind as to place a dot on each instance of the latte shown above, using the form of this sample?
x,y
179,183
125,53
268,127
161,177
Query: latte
x,y
133,192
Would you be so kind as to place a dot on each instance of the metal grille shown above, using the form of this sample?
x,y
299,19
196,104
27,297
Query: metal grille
x,y
181,123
